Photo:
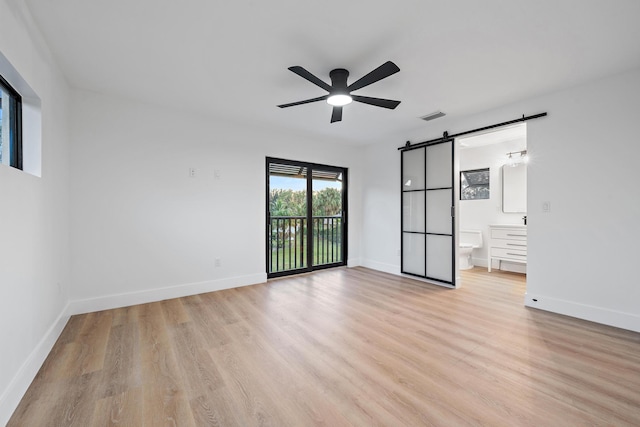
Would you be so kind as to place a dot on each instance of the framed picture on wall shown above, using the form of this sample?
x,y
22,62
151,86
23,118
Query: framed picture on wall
x,y
474,184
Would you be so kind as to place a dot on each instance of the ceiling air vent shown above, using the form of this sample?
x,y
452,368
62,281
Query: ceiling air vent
x,y
432,116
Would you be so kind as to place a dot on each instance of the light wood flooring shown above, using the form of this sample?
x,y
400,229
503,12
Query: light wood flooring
x,y
341,347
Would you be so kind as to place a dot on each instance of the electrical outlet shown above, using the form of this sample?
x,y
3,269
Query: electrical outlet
x,y
546,206
217,262
192,172
216,173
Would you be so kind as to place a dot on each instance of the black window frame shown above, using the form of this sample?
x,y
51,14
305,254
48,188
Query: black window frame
x,y
15,124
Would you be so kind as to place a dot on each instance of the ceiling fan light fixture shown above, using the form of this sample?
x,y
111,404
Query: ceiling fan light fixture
x,y
339,92
339,99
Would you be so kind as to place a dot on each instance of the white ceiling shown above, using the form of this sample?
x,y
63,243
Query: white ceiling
x,y
229,59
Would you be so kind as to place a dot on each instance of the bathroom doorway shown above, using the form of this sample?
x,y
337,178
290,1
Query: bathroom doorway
x,y
485,209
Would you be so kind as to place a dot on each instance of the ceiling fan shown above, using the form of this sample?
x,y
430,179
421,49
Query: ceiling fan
x,y
340,94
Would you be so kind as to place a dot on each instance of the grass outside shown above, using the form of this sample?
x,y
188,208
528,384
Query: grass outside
x,y
325,252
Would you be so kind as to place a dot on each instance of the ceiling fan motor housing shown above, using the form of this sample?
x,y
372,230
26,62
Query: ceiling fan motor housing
x,y
339,81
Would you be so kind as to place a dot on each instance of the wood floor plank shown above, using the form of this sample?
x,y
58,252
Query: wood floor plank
x,y
121,365
243,385
205,321
125,315
298,401
71,329
340,347
75,403
124,409
265,347
200,374
164,401
205,389
94,337
308,366
398,382
174,311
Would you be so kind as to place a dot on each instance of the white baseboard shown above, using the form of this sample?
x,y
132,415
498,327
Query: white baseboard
x,y
108,302
381,266
354,262
587,312
18,386
504,265
479,262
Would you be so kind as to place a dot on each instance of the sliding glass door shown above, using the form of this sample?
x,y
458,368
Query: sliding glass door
x,y
306,216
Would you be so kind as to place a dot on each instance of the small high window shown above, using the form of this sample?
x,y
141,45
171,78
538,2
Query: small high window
x,y
10,125
474,184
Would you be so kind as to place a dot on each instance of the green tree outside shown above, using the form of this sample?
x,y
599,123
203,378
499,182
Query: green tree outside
x,y
288,237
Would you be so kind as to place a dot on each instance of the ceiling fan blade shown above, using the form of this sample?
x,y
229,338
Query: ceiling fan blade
x,y
383,71
306,101
378,102
336,115
308,76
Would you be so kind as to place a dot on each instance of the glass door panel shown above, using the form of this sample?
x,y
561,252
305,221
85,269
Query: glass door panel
x,y
439,259
439,220
413,170
413,254
328,220
287,223
413,213
439,165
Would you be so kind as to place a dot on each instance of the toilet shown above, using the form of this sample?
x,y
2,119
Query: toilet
x,y
469,240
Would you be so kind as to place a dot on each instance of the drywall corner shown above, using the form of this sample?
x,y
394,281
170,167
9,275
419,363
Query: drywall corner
x,y
26,373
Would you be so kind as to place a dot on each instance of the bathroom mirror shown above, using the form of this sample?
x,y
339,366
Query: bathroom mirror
x,y
514,188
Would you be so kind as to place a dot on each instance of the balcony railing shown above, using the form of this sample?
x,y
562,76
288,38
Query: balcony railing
x,y
288,243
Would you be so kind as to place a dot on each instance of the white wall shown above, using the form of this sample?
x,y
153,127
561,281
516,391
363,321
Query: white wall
x,y
144,230
581,255
34,226
381,208
479,214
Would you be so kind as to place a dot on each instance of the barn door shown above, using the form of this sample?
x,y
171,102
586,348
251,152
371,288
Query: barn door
x,y
428,226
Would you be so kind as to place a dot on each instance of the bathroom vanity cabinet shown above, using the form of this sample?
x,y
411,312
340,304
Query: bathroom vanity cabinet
x,y
507,243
